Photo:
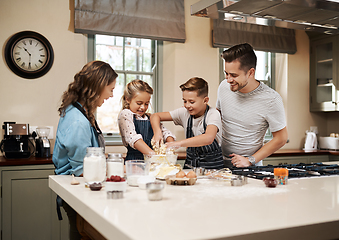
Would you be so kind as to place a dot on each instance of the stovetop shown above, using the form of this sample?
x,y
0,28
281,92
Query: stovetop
x,y
294,170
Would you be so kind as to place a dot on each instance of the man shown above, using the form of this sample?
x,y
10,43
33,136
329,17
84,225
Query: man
x,y
248,107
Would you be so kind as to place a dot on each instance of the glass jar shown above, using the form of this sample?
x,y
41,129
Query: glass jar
x,y
115,165
94,165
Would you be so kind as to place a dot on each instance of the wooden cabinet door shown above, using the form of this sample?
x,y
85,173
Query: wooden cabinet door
x,y
28,205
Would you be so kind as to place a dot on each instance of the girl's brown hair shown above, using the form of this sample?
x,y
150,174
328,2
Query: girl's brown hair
x,y
87,87
133,88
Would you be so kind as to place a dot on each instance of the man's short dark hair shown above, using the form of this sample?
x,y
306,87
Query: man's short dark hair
x,y
243,53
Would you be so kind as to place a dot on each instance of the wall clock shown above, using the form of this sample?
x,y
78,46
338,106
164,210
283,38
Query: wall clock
x,y
29,54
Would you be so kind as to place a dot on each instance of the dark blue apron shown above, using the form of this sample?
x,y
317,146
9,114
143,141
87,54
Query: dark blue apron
x,y
209,156
144,128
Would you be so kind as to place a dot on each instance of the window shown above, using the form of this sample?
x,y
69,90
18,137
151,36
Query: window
x,y
265,72
131,58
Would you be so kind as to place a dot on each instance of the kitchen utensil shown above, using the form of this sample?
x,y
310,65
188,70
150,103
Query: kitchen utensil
x,y
331,143
311,142
42,144
115,194
154,190
115,165
199,171
160,158
237,181
134,170
16,142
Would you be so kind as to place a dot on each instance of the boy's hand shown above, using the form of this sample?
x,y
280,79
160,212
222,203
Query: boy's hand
x,y
173,145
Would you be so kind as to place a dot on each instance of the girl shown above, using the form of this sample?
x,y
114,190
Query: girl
x,y
134,124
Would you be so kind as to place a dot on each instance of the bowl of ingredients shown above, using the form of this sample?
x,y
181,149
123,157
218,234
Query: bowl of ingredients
x,y
134,170
270,182
115,183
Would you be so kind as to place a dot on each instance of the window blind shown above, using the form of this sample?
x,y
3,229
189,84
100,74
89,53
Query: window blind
x,y
262,38
153,19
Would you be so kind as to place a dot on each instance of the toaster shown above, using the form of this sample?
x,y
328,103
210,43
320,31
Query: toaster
x,y
331,143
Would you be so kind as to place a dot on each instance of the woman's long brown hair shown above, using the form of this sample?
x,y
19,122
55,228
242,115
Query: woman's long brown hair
x,y
87,87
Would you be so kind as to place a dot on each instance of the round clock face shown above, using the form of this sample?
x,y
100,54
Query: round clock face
x,y
29,54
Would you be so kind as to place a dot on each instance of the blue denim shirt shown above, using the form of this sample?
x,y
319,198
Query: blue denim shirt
x,y
74,134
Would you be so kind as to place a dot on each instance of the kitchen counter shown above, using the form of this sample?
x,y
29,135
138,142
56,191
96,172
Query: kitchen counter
x,y
24,161
181,156
304,209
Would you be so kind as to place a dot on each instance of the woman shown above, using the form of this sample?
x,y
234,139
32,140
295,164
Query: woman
x,y
77,128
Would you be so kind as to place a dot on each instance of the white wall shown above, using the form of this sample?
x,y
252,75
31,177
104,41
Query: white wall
x,y
36,101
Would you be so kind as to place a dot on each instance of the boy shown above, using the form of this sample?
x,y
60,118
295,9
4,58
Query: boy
x,y
202,125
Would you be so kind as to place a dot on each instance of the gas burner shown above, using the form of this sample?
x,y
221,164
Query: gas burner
x,y
299,170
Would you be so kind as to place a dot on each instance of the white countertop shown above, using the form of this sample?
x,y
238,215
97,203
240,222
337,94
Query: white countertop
x,y
211,209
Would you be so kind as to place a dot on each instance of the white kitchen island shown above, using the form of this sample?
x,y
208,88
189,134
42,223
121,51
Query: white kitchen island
x,y
306,208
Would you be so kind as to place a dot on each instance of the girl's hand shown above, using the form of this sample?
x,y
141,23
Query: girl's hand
x,y
157,139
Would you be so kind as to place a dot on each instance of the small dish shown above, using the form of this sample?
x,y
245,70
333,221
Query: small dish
x,y
270,182
116,186
143,180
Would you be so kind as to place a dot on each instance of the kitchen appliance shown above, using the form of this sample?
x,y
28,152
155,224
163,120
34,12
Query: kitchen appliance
x,y
42,144
311,141
299,170
310,15
331,143
16,142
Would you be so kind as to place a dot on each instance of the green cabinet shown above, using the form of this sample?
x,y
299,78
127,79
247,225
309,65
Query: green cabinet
x,y
324,63
28,205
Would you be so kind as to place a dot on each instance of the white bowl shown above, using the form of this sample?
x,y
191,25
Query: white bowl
x,y
143,180
116,186
158,158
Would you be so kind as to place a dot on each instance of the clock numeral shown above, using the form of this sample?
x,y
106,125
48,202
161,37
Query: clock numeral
x,y
42,55
30,42
18,59
17,53
29,65
19,47
37,44
41,49
40,61
24,42
36,65
23,64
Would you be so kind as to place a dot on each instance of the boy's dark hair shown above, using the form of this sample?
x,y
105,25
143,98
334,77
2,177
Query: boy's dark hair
x,y
196,84
243,53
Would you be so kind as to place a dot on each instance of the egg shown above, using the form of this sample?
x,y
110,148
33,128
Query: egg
x,y
191,174
180,174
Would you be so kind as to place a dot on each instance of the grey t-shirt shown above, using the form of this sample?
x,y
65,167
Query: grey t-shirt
x,y
180,117
246,117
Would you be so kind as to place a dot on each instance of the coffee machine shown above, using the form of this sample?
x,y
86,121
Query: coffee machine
x,y
42,144
16,142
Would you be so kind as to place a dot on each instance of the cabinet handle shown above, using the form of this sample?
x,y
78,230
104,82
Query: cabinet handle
x,y
335,103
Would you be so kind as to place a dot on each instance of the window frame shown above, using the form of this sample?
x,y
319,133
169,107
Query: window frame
x,y
268,135
112,139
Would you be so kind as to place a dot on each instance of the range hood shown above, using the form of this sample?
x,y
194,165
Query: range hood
x,y
310,15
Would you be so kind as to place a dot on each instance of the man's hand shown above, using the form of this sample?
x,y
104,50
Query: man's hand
x,y
239,161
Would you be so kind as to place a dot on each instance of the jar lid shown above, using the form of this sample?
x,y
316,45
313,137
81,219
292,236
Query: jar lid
x,y
114,155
